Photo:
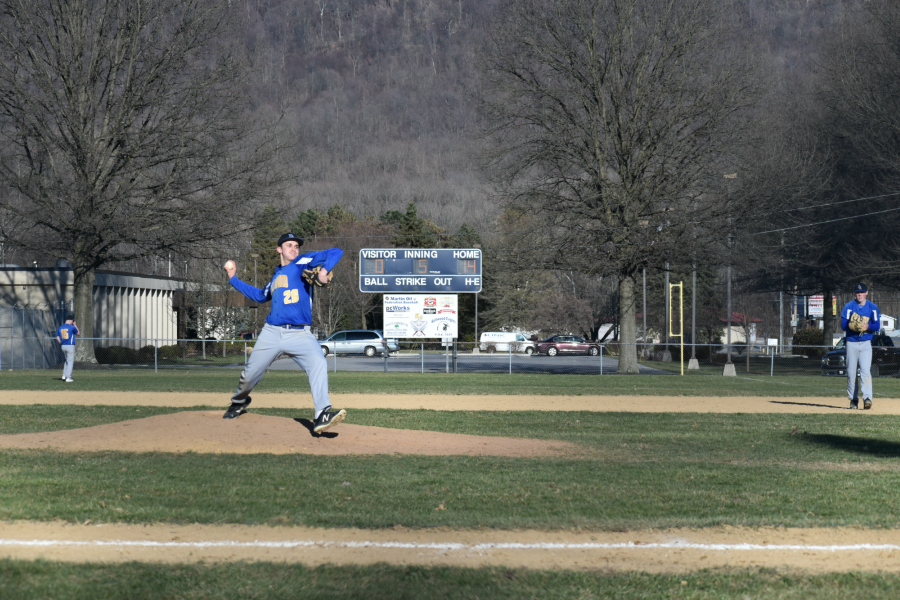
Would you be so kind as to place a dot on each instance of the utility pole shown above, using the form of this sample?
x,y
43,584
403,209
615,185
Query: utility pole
x,y
666,355
256,313
780,322
645,311
694,364
729,366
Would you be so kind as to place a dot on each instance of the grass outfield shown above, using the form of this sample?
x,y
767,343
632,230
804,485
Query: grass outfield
x,y
636,471
225,381
240,581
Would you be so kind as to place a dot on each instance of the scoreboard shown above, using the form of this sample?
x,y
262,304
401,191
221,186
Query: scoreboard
x,y
455,270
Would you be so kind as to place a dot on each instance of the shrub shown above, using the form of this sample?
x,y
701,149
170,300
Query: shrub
x,y
172,352
146,354
808,342
115,355
195,347
702,352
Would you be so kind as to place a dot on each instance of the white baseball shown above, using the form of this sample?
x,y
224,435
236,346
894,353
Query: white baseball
x,y
229,265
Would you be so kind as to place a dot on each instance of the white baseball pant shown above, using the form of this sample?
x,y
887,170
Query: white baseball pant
x,y
859,353
302,347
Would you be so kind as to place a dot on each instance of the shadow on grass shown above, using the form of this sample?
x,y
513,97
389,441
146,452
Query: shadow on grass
x,y
811,404
856,445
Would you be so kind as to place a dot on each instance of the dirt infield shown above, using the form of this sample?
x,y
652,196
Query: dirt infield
x,y
208,432
664,551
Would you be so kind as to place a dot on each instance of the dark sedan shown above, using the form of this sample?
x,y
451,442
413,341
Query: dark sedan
x,y
885,358
567,344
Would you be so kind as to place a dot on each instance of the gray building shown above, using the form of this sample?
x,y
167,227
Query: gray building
x,y
129,309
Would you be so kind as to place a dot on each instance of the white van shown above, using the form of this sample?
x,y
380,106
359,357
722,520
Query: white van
x,y
500,341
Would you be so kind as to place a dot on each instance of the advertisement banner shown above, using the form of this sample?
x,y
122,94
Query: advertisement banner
x,y
421,316
816,305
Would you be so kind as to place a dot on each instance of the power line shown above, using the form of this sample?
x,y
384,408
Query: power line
x,y
888,195
880,212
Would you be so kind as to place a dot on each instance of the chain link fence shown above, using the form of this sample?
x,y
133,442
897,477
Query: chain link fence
x,y
28,338
41,351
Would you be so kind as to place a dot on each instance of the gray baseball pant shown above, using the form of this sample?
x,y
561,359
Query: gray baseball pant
x,y
69,351
301,346
859,353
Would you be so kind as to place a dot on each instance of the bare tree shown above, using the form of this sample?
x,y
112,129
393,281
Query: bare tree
x,y
563,312
512,290
343,300
859,85
753,315
214,310
124,131
614,122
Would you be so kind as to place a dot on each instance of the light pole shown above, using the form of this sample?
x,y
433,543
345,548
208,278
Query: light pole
x,y
256,314
645,353
254,257
693,363
729,366
666,318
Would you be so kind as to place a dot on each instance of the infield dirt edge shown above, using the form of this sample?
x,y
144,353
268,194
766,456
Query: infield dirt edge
x,y
451,402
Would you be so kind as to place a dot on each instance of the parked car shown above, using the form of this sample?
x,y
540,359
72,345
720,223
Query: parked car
x,y
502,341
567,344
885,358
358,341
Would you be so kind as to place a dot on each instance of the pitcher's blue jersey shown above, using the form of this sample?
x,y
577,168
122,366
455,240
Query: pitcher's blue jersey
x,y
866,310
291,296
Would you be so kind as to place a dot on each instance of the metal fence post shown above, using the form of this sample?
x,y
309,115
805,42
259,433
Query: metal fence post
x,y
510,357
601,359
772,371
385,354
156,355
422,354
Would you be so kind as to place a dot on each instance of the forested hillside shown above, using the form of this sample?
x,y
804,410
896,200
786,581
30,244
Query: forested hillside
x,y
378,93
384,135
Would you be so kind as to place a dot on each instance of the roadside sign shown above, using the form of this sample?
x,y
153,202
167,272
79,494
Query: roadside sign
x,y
421,316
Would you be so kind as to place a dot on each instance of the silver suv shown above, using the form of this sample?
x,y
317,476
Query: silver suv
x,y
358,341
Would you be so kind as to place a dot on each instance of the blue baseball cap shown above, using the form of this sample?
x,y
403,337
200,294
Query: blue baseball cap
x,y
860,287
289,236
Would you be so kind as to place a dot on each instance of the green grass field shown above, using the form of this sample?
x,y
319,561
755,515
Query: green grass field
x,y
634,471
243,581
225,380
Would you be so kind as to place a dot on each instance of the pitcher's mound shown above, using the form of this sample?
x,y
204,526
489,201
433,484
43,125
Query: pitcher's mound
x,y
208,432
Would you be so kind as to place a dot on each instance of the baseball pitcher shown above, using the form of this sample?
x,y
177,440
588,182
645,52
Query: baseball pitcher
x,y
287,328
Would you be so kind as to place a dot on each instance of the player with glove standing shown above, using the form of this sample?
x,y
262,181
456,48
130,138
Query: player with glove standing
x,y
287,328
860,319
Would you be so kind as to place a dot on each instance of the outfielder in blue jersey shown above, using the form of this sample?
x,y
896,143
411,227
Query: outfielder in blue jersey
x,y
65,335
287,328
860,319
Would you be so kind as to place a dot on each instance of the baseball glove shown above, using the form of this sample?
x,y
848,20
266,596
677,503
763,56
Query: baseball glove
x,y
311,276
858,323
